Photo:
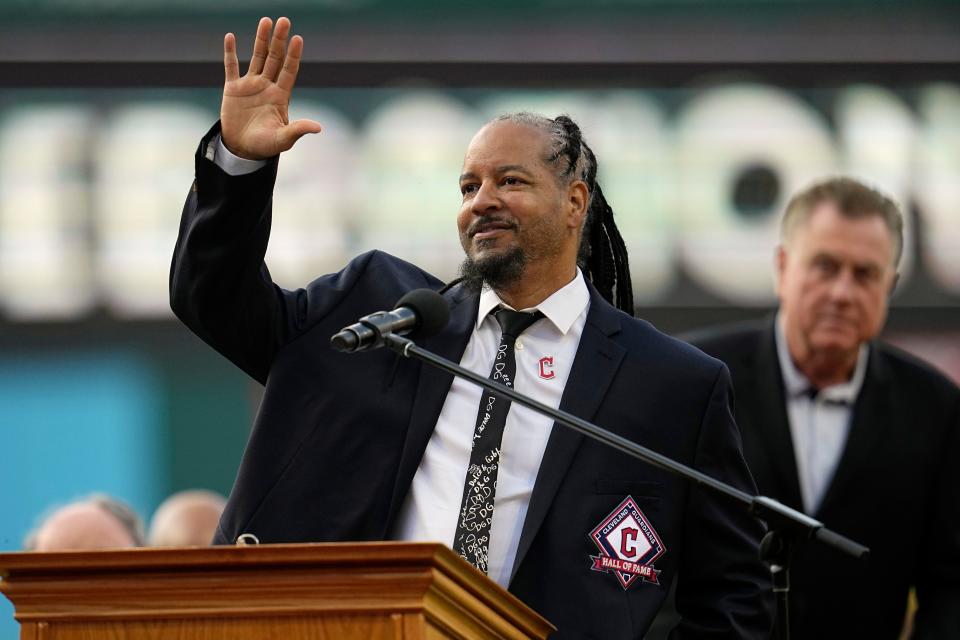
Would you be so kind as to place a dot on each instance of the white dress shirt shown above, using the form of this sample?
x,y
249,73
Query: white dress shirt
x,y
819,425
544,355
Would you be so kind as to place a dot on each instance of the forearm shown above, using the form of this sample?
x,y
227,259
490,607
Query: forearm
x,y
219,286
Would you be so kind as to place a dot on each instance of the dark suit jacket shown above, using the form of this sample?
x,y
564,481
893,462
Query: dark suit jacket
x,y
339,437
896,490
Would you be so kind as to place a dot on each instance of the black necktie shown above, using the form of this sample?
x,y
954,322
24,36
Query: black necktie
x,y
472,539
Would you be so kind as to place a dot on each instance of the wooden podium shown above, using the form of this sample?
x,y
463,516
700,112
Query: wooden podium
x,y
283,592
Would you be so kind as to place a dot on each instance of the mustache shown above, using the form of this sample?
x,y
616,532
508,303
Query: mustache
x,y
479,224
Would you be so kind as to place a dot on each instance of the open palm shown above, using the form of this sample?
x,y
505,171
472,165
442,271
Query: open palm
x,y
254,116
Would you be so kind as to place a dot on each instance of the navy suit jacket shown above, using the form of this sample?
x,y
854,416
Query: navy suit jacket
x,y
339,437
896,490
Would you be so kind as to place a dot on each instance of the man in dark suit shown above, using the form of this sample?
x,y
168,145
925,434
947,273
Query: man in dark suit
x,y
372,446
852,431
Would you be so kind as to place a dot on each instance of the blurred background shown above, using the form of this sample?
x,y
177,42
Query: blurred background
x,y
705,117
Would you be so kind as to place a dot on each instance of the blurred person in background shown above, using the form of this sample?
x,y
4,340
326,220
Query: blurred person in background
x,y
186,519
97,522
373,446
852,431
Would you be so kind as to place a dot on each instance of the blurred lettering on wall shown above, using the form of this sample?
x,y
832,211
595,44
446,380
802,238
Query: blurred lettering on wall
x,y
91,183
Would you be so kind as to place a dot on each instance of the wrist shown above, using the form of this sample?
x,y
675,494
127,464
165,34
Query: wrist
x,y
232,163
239,152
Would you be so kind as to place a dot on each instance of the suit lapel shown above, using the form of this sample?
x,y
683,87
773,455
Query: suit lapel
x,y
432,389
597,360
772,422
866,431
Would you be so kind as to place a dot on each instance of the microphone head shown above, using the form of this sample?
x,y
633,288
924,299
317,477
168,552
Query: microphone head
x,y
346,341
431,309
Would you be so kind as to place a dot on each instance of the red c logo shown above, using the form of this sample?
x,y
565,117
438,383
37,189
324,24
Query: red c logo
x,y
546,368
627,535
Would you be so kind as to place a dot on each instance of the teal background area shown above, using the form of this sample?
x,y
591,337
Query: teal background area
x,y
92,421
92,424
120,421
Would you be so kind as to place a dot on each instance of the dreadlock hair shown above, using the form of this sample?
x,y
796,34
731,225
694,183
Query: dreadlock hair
x,y
602,255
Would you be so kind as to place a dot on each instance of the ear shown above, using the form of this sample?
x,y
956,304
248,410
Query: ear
x,y
577,200
893,284
780,261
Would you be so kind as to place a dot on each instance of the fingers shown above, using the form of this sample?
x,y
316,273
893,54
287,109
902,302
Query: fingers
x,y
278,46
260,46
231,67
289,134
291,64
303,127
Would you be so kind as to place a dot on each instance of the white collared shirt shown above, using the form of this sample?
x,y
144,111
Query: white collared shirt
x,y
544,355
819,426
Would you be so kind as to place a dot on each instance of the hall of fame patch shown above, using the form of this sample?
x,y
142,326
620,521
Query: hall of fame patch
x,y
628,545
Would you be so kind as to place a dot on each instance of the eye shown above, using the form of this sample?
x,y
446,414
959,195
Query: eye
x,y
512,181
468,187
825,266
866,275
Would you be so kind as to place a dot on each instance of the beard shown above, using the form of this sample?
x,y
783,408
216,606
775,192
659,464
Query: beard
x,y
497,271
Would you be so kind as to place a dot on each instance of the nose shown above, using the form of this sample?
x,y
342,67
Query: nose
x,y
486,198
843,286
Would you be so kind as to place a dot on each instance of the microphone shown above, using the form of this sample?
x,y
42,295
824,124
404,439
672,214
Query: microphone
x,y
421,312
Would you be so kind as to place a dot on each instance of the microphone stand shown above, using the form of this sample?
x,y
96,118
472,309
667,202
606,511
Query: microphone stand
x,y
787,526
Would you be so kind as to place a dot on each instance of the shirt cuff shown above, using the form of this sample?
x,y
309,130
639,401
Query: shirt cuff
x,y
231,164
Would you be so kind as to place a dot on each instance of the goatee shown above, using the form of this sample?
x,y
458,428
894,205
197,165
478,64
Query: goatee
x,y
497,271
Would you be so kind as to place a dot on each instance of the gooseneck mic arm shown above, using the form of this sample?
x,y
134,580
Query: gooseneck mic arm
x,y
765,508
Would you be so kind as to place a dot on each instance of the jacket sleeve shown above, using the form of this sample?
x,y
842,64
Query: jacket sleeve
x,y
219,285
938,575
723,589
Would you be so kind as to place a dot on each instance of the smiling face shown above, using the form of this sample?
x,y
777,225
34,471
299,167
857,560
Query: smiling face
x,y
834,278
518,220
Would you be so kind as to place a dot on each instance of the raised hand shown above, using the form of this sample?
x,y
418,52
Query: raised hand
x,y
254,122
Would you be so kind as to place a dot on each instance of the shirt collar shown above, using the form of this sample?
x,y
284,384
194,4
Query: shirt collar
x,y
562,308
797,384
